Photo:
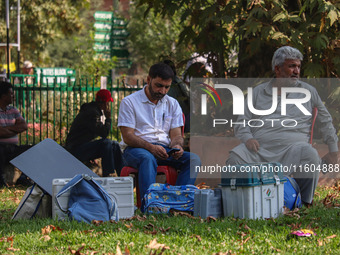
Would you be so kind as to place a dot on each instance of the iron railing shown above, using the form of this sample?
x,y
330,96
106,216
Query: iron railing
x,y
49,109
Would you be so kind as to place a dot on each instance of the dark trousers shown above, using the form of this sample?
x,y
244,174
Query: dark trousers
x,y
106,149
7,153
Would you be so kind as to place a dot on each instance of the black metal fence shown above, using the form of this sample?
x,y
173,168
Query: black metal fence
x,y
49,109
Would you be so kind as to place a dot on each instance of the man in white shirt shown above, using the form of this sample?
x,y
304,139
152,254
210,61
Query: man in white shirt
x,y
150,122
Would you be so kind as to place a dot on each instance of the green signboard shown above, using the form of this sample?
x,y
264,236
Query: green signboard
x,y
102,26
118,44
102,47
107,17
119,22
102,37
103,56
106,46
109,37
58,75
120,53
106,27
103,16
120,63
123,63
120,33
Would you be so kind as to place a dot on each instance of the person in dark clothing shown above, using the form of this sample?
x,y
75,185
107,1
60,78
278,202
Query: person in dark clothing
x,y
180,91
87,126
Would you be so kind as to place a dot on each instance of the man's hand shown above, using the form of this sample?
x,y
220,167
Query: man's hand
x,y
107,110
176,155
253,145
159,152
331,158
6,133
9,131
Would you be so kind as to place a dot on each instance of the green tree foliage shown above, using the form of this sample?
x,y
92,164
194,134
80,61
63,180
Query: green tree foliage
x,y
42,21
255,28
57,34
154,38
76,51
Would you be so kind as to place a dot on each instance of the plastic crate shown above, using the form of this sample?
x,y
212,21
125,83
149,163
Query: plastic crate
x,y
120,188
208,202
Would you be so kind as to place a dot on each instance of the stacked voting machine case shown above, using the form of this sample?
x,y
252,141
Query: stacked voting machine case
x,y
120,188
253,191
207,203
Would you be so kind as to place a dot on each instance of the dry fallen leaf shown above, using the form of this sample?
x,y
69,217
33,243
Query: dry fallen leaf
x,y
164,230
246,227
320,242
202,185
16,200
149,226
211,218
245,240
225,253
330,237
242,234
118,250
129,225
88,231
12,249
330,200
45,238
72,251
182,214
58,228
292,213
154,245
10,239
154,232
97,222
197,237
47,230
136,217
295,226
139,218
77,252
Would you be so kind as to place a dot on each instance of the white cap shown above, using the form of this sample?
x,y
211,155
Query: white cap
x,y
28,64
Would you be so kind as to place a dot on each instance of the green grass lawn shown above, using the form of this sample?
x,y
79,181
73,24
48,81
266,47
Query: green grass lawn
x,y
180,234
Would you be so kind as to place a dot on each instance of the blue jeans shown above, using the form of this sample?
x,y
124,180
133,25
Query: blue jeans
x,y
146,163
106,149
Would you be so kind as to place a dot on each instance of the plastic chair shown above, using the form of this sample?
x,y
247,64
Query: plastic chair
x,y
169,171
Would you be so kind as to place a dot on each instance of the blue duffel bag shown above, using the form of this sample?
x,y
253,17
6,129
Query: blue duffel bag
x,y
161,198
292,195
88,200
